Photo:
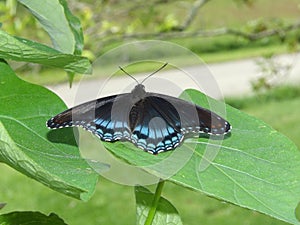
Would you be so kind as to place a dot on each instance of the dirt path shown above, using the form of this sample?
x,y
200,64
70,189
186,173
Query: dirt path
x,y
231,79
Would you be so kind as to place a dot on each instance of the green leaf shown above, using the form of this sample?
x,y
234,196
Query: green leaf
x,y
28,51
75,27
255,167
166,213
62,26
30,218
50,157
56,18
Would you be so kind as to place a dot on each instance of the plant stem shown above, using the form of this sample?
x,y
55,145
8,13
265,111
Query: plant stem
x,y
155,201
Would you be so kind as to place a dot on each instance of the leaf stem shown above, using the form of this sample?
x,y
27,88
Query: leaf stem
x,y
155,201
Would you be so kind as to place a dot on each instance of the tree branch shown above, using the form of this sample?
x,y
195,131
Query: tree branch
x,y
205,33
193,13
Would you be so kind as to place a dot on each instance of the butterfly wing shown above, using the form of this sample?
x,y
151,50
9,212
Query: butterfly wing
x,y
97,117
159,122
195,119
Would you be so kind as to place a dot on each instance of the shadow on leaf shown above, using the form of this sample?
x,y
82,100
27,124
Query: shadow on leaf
x,y
65,136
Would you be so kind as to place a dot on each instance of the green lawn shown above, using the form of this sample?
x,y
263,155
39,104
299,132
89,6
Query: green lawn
x,y
110,200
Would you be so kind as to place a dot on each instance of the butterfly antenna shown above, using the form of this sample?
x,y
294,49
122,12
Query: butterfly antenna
x,y
163,66
129,75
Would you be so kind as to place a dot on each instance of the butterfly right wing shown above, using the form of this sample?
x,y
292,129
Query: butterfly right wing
x,y
195,119
105,117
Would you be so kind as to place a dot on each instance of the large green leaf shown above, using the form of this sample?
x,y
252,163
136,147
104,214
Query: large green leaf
x,y
50,157
166,213
30,218
56,18
255,167
28,51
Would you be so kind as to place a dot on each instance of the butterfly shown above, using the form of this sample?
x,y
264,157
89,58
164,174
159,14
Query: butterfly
x,y
151,121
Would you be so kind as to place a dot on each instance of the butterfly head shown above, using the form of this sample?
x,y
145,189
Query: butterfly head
x,y
138,92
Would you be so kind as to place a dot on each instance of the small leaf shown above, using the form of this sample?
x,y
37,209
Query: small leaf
x,y
50,157
166,213
30,218
255,167
56,18
28,51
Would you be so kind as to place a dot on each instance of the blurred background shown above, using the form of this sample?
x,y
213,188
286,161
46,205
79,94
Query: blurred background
x,y
249,44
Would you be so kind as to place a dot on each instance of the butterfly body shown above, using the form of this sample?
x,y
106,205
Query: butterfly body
x,y
151,121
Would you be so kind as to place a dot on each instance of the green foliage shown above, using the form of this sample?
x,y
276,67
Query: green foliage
x,y
30,218
18,23
169,23
69,39
165,211
27,145
110,197
107,20
261,25
20,49
62,20
253,165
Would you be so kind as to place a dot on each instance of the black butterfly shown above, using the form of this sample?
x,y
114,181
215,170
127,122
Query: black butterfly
x,y
151,121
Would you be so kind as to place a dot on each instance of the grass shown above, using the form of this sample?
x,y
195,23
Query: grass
x,y
23,194
279,108
284,117
233,13
276,94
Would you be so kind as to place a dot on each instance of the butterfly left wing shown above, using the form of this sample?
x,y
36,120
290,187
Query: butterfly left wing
x,y
103,117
